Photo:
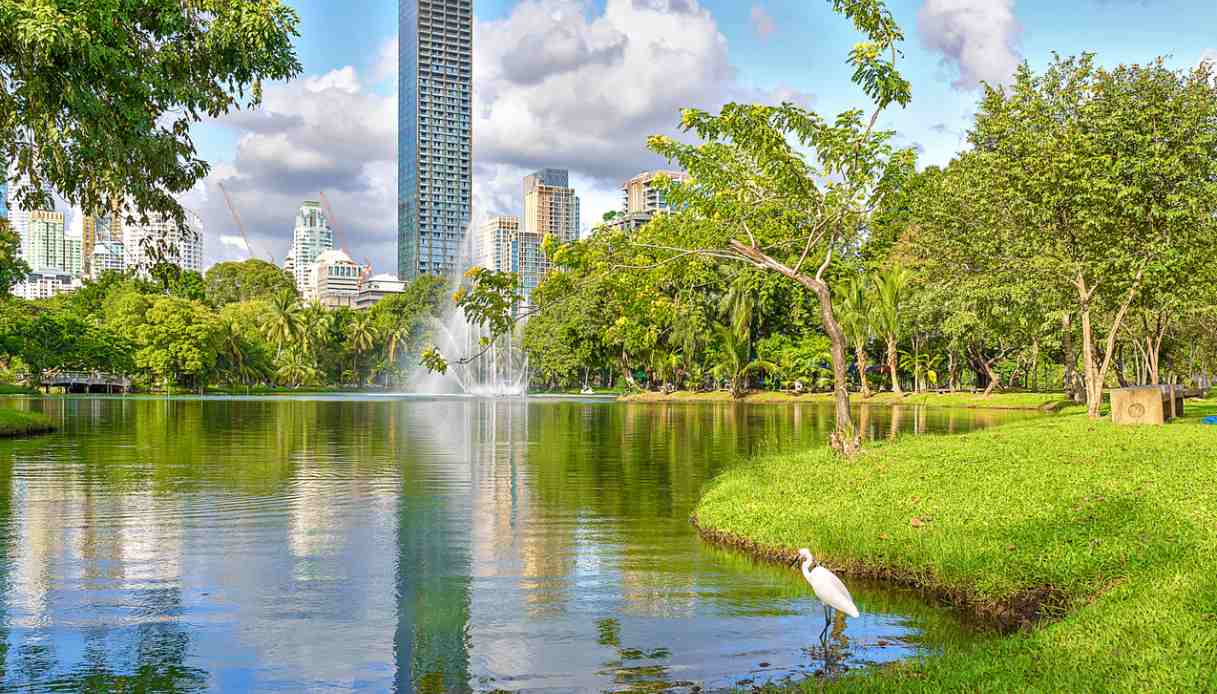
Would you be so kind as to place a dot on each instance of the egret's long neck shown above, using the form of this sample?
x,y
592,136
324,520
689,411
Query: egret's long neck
x,y
807,568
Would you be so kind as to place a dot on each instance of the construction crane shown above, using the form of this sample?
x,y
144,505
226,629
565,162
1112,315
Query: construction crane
x,y
329,214
241,225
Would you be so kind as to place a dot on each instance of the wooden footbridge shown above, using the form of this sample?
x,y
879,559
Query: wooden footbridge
x,y
86,381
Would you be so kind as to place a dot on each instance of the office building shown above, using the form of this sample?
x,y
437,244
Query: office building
x,y
333,279
18,218
642,199
160,235
48,247
550,205
505,247
434,177
88,241
107,256
377,287
43,284
311,237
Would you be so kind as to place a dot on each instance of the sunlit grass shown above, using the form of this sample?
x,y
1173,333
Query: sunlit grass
x,y
18,423
1000,401
1117,526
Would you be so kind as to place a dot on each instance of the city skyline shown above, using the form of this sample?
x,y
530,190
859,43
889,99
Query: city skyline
x,y
334,129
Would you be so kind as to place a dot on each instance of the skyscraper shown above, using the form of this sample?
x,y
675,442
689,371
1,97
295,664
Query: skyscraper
x,y
504,247
183,248
434,179
641,199
311,237
550,205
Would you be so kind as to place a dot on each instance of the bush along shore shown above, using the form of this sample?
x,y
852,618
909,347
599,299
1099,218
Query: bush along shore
x,y
1089,546
1047,402
19,423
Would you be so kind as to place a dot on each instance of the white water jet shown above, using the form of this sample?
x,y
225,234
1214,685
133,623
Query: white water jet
x,y
499,369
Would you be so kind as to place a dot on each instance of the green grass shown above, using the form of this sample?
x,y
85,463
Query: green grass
x,y
13,389
19,423
996,401
1114,529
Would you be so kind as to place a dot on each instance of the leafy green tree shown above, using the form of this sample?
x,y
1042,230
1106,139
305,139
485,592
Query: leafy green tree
x,y
230,281
12,268
283,325
363,336
856,315
735,363
892,287
1106,179
178,341
99,96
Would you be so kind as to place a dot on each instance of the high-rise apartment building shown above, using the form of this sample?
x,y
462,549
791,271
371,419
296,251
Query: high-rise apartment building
x,y
505,247
311,237
434,170
550,205
642,198
106,256
48,247
18,218
160,235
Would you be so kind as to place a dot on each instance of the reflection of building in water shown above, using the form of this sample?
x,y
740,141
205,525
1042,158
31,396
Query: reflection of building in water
x,y
430,645
313,530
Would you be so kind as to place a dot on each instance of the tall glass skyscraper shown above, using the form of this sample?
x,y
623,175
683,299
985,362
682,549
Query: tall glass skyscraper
x,y
434,178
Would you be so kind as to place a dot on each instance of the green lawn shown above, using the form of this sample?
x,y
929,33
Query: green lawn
x,y
1112,531
997,401
19,423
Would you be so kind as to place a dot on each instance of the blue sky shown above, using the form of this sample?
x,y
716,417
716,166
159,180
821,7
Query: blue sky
x,y
333,127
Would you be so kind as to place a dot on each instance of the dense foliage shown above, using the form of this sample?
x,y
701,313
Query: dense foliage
x,y
240,327
1070,248
98,97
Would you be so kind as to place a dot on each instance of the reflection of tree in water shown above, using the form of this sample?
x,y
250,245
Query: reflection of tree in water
x,y
631,668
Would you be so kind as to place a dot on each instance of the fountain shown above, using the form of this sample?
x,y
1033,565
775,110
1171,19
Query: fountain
x,y
499,369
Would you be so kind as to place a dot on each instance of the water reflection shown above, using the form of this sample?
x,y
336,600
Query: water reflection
x,y
414,545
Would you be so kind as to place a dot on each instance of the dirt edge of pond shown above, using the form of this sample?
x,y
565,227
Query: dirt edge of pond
x,y
1021,611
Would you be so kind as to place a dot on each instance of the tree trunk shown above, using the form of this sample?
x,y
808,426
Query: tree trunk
x,y
860,358
891,366
994,377
844,439
1096,373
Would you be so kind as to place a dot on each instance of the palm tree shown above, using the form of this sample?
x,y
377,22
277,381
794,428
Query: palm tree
x,y
735,363
854,315
891,292
363,335
283,321
297,369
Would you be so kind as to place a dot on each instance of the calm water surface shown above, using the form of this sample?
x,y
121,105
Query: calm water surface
x,y
338,543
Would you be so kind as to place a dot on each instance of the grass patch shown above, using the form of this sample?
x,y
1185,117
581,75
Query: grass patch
x,y
14,389
1105,534
19,423
998,401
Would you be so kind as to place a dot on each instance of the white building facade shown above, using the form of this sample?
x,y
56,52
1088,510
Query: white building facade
x,y
182,247
504,247
333,279
311,237
377,287
107,256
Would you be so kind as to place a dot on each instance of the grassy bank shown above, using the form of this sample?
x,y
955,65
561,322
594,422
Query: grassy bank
x,y
997,401
18,423
14,389
1105,535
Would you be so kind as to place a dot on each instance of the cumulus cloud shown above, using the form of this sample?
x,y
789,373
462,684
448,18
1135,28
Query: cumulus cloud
x,y
762,22
978,39
323,132
1209,55
554,85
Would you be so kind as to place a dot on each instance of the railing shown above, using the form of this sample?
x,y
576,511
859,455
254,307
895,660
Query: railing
x,y
85,378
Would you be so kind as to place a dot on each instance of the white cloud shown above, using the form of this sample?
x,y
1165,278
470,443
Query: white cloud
x,y
1209,55
556,86
233,241
762,22
977,38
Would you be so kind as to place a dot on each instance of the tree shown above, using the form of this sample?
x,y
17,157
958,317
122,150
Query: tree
x,y
1106,178
362,336
13,269
857,317
231,281
283,324
891,292
99,96
178,341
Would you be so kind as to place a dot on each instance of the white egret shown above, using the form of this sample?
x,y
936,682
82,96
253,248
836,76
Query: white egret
x,y
828,588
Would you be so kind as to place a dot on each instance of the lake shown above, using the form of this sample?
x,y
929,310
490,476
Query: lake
x,y
335,543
